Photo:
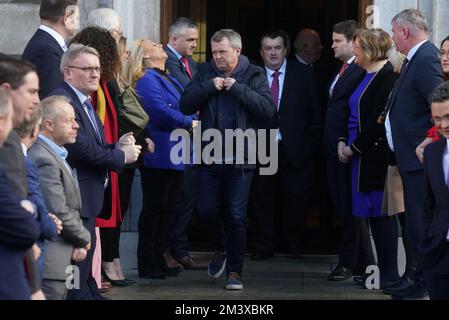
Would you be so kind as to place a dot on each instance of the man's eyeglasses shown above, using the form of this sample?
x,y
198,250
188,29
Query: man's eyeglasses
x,y
444,54
87,69
438,121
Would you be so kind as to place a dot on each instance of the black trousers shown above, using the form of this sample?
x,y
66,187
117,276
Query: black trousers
x,y
437,278
110,237
356,251
286,196
161,199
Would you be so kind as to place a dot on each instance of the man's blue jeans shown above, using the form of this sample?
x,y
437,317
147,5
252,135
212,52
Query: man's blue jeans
x,y
222,193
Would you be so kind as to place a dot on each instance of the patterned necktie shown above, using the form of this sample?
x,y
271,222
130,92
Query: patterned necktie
x,y
93,120
187,66
275,89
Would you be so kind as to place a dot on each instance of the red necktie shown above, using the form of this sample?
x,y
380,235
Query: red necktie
x,y
343,69
186,64
275,89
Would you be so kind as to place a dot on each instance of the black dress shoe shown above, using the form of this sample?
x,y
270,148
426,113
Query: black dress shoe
x,y
416,291
399,288
129,281
340,273
257,256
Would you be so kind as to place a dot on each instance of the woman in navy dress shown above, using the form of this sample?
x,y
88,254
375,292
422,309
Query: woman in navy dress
x,y
367,148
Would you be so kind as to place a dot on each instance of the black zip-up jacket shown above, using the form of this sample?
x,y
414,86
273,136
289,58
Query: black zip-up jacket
x,y
252,94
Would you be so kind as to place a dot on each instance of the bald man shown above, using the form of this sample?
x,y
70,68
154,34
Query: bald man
x,y
308,47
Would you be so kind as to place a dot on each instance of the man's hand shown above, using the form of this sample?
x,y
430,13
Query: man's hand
x,y
229,82
79,254
420,149
87,247
28,206
56,221
341,156
151,145
36,251
348,153
131,151
126,140
219,83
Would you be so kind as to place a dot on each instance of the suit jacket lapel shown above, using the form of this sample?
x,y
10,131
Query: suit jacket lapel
x,y
404,73
84,116
70,172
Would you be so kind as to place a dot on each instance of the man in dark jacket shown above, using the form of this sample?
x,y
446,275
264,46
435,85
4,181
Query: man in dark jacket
x,y
229,93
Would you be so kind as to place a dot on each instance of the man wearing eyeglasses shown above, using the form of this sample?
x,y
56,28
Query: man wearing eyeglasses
x,y
90,156
59,21
435,242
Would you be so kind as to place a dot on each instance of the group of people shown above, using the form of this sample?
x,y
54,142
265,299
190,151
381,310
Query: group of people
x,y
83,110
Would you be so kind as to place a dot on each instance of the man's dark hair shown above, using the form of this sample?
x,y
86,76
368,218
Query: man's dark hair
x,y
13,71
52,10
274,35
347,28
440,94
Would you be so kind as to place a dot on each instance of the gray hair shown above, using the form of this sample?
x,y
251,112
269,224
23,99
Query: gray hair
x,y
180,26
105,18
5,98
51,106
73,52
412,18
440,94
233,36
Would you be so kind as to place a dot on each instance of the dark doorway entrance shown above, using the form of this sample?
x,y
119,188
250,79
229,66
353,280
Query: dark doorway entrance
x,y
251,18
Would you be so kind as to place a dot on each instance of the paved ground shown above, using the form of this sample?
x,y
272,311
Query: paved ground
x,y
280,278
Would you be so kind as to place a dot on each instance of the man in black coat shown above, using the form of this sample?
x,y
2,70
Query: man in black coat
x,y
434,247
229,93
59,21
407,124
355,252
296,122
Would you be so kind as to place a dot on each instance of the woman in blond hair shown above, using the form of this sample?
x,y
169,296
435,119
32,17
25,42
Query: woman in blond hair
x,y
367,150
161,178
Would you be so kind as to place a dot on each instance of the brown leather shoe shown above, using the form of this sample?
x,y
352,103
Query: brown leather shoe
x,y
189,264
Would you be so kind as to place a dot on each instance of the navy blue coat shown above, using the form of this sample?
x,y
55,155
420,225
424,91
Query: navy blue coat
x,y
45,53
161,101
19,230
90,156
337,113
409,107
436,206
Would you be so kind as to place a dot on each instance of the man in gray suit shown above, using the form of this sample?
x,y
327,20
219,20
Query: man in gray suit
x,y
61,192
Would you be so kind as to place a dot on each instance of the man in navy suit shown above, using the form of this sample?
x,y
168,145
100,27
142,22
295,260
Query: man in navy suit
x,y
59,21
89,155
407,124
183,37
355,251
19,229
434,247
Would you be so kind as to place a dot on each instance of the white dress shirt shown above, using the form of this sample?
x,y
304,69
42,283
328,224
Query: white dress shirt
x,y
56,35
389,133
281,78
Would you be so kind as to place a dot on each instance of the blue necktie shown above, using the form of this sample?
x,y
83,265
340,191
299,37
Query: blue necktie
x,y
91,112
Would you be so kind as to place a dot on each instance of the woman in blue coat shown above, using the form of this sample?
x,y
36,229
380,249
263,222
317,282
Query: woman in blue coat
x,y
161,178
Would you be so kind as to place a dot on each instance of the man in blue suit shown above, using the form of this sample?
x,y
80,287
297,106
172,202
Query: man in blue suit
x,y
355,251
89,155
18,228
59,21
407,124
434,248
183,37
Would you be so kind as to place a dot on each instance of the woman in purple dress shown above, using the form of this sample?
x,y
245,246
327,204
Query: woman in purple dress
x,y
367,149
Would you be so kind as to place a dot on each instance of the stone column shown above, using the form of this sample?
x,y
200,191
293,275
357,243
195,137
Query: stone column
x,y
141,18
